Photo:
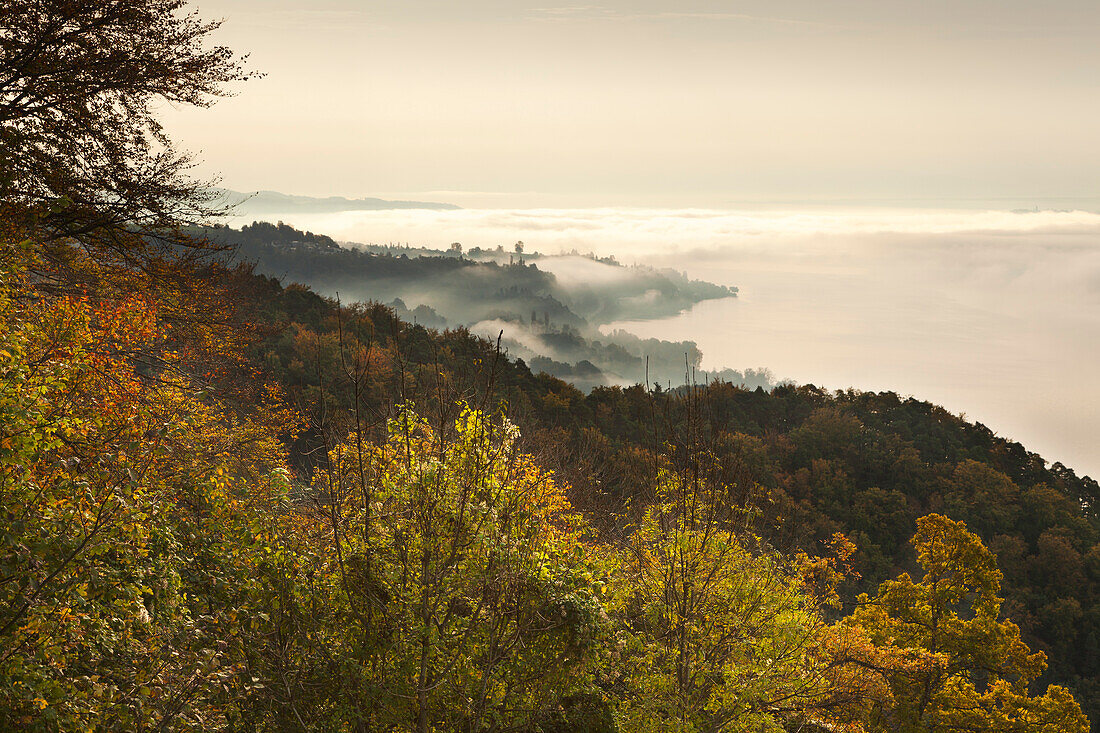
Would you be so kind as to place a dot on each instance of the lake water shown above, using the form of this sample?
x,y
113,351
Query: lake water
x,y
992,314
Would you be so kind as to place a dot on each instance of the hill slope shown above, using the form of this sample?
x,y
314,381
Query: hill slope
x,y
865,464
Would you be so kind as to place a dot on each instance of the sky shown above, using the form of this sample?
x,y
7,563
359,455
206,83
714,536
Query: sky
x,y
713,104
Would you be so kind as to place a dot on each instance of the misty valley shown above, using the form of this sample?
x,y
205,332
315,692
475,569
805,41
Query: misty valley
x,y
547,309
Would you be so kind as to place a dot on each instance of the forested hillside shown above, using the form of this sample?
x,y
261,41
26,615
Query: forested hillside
x,y
230,504
864,464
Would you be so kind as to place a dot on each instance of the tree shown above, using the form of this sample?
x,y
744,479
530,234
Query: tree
x,y
82,154
720,637
446,586
720,633
975,669
134,514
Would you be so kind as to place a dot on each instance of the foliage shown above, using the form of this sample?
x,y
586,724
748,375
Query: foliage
x,y
977,670
719,637
460,572
79,85
131,515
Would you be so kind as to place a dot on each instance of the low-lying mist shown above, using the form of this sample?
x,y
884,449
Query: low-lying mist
x,y
636,233
550,319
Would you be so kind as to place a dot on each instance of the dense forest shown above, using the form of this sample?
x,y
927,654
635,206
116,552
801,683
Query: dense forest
x,y
230,503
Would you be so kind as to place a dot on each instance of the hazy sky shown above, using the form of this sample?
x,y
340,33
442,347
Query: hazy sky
x,y
523,103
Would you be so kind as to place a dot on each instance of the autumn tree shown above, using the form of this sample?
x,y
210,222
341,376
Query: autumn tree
x,y
80,144
87,172
721,634
718,631
444,585
976,671
135,512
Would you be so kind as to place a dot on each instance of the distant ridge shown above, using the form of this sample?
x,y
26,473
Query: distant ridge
x,y
273,202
